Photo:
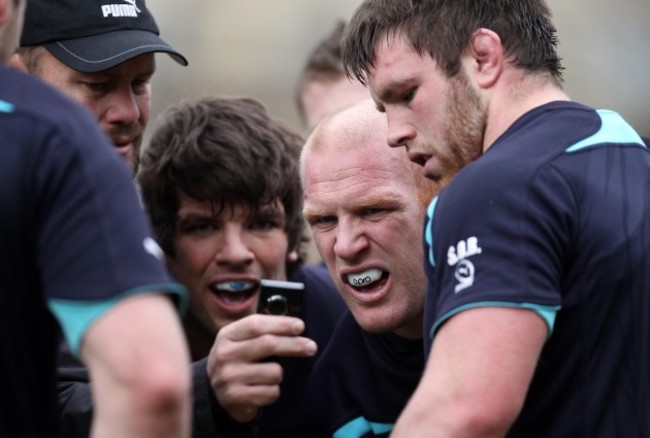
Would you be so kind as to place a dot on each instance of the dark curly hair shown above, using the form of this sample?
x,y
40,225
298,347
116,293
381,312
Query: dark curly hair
x,y
226,151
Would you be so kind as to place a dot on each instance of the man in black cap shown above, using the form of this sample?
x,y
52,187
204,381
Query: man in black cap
x,y
101,53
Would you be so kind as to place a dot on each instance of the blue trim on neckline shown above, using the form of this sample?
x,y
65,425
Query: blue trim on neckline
x,y
428,235
613,129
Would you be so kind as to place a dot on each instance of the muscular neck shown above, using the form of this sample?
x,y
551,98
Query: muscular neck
x,y
514,95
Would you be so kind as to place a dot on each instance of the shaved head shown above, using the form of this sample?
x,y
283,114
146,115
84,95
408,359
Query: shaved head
x,y
365,203
363,127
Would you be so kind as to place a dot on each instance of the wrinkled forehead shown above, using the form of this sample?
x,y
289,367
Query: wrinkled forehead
x,y
359,188
358,165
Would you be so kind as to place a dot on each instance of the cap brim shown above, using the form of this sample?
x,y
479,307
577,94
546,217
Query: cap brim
x,y
100,52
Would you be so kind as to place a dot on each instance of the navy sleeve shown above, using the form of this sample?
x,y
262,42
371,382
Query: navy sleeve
x,y
94,241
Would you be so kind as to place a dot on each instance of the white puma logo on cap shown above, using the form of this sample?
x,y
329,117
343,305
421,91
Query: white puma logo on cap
x,y
132,2
121,10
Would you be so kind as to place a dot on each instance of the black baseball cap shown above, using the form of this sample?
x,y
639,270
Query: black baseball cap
x,y
94,35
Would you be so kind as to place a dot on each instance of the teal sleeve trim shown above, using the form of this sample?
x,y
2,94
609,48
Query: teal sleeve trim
x,y
547,313
429,232
6,107
614,129
359,427
75,317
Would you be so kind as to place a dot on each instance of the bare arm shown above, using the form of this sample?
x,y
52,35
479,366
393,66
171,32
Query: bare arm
x,y
241,381
477,375
139,366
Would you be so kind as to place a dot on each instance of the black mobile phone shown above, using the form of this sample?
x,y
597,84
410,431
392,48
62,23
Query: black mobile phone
x,y
278,297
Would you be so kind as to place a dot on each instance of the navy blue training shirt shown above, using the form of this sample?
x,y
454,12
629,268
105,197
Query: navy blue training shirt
x,y
555,217
73,240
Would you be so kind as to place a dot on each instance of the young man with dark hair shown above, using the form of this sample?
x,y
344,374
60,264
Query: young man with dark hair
x,y
536,317
220,180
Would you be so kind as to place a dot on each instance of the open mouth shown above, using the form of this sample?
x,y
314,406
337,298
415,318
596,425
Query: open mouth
x,y
233,292
367,280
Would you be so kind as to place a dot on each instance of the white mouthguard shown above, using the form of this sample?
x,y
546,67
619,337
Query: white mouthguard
x,y
364,278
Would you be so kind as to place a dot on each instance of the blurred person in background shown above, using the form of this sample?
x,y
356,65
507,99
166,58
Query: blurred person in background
x,y
76,254
324,87
103,56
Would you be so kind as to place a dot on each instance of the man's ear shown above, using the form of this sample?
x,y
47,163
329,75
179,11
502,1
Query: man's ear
x,y
17,62
486,51
292,256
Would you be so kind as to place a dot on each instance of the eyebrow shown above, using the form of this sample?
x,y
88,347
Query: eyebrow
x,y
388,93
308,215
372,202
192,215
380,200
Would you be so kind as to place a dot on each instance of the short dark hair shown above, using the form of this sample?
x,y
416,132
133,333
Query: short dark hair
x,y
442,28
323,63
225,151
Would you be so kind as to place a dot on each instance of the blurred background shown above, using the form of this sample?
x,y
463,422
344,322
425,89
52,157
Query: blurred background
x,y
257,48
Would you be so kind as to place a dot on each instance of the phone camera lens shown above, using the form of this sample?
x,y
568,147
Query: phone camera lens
x,y
276,305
